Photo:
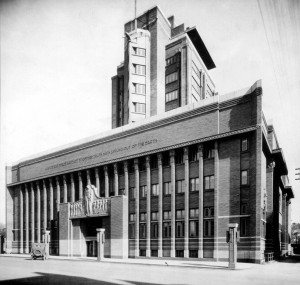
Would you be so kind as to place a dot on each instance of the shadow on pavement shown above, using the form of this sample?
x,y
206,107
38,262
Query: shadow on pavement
x,y
291,259
46,278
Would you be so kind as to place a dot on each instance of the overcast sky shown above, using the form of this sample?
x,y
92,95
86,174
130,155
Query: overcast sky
x,y
58,57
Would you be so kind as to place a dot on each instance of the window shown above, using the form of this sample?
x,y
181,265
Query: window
x,y
142,164
143,191
143,217
153,162
132,217
171,60
165,159
194,228
167,229
180,186
179,253
167,215
154,252
139,51
208,153
172,95
171,77
244,177
244,144
179,156
154,230
154,189
243,227
131,230
208,212
194,184
122,191
193,153
143,230
132,195
244,209
139,88
208,227
180,229
179,214
139,69
167,188
154,216
194,213
142,252
139,108
209,182
193,253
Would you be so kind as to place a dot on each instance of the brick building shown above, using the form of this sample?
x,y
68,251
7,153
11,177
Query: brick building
x,y
169,184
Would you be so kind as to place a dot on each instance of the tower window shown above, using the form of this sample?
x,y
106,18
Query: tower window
x,y
171,60
139,88
139,69
139,51
172,96
171,77
139,108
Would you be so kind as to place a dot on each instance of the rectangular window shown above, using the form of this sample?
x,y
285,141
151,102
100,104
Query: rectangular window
x,y
132,195
194,184
153,162
154,252
143,191
193,154
139,69
167,215
208,212
193,253
131,230
209,182
139,51
167,188
244,209
194,213
180,229
143,230
132,217
154,189
139,88
171,60
180,186
142,252
171,77
165,159
143,217
208,227
244,177
172,96
154,216
167,229
179,156
154,230
179,253
244,144
194,228
243,229
139,108
208,153
179,214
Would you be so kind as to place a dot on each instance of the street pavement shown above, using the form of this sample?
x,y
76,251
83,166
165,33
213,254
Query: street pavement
x,y
23,270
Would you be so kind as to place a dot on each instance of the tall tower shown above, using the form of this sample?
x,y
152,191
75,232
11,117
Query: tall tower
x,y
165,67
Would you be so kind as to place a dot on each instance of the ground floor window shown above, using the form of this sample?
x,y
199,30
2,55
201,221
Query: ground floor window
x,y
179,253
243,227
166,253
142,252
154,252
193,253
131,230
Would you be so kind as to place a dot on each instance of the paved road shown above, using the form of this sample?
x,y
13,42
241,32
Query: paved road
x,y
14,270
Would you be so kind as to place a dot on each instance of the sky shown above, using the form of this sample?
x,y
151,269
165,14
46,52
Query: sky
x,y
58,57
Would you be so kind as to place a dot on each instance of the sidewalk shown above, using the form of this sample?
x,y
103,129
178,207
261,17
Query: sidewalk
x,y
147,261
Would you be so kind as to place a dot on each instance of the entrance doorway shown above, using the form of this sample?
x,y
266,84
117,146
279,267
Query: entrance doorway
x,y
91,246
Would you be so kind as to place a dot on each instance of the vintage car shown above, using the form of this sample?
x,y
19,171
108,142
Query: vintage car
x,y
40,250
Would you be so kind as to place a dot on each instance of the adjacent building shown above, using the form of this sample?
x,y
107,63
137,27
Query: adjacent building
x,y
179,165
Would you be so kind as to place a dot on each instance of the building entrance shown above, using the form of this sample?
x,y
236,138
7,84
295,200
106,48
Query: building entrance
x,y
91,246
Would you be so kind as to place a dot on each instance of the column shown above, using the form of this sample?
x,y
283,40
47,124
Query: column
x,y
216,204
80,185
51,200
38,211
32,213
88,177
97,180
200,156
173,194
45,205
148,171
72,188
116,178
65,189
160,204
21,222
57,193
106,182
126,178
186,201
137,207
26,220
284,228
